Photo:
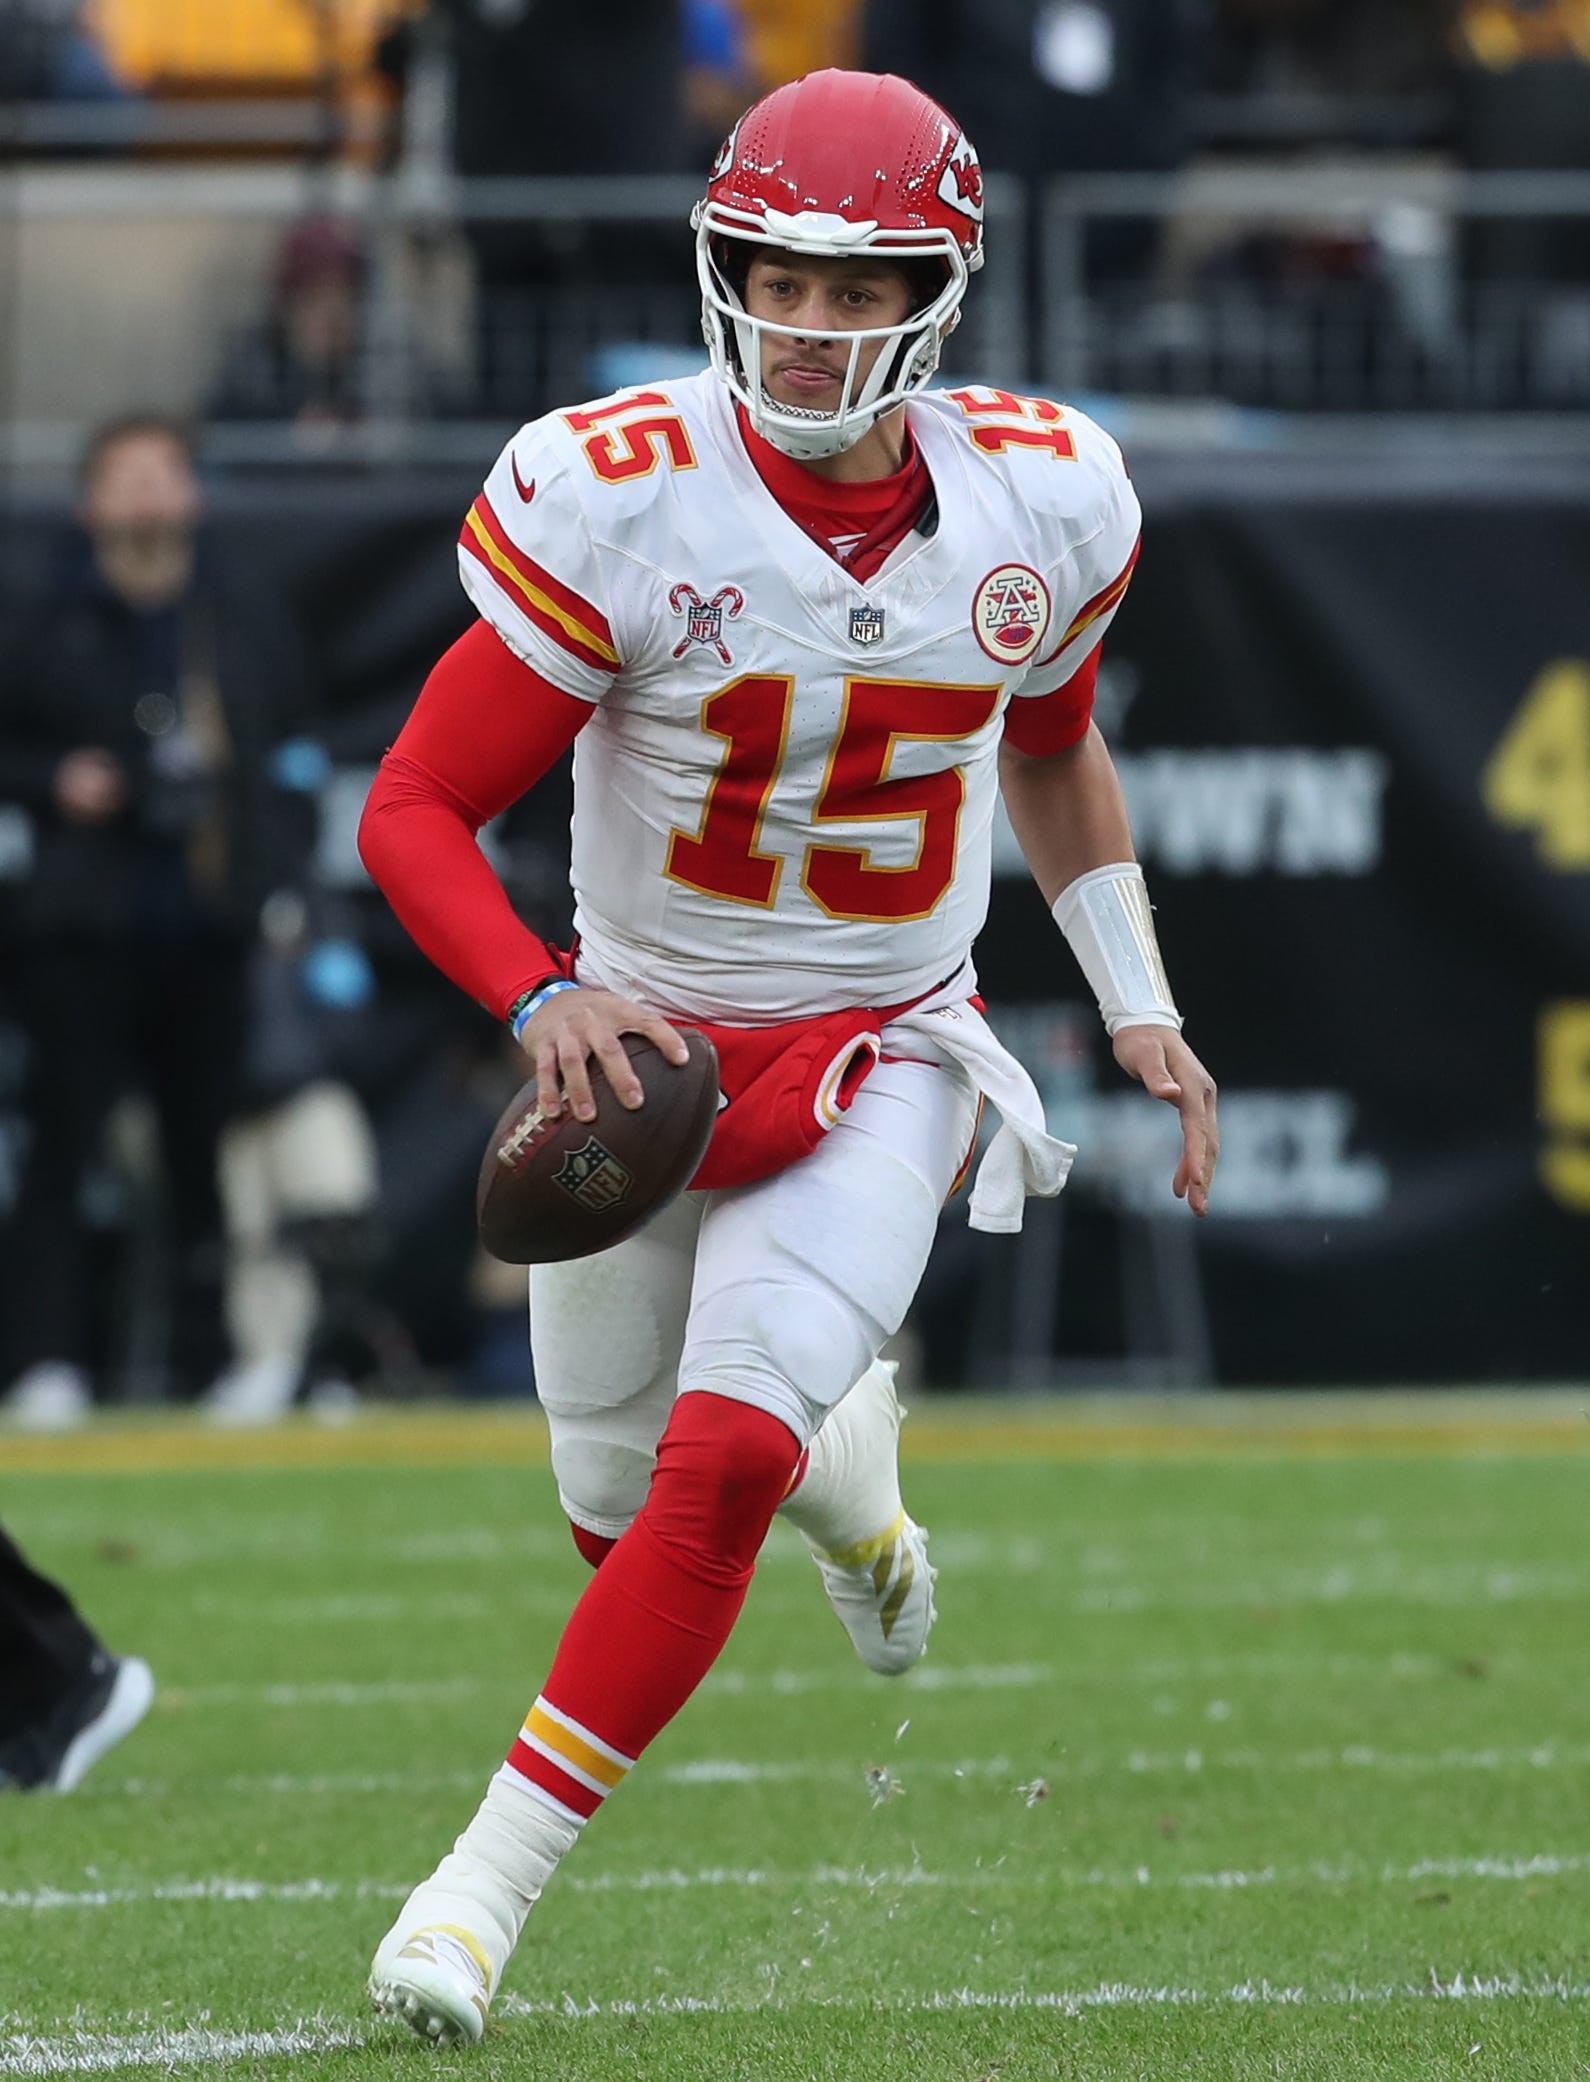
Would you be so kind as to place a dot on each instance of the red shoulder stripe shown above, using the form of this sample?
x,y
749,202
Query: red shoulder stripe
x,y
556,609
1100,604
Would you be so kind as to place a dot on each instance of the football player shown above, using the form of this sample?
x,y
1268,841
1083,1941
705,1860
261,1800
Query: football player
x,y
802,619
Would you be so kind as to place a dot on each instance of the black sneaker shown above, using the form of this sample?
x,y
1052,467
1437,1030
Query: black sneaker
x,y
106,1703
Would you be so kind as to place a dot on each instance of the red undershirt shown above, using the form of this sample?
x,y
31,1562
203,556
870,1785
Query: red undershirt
x,y
859,524
487,726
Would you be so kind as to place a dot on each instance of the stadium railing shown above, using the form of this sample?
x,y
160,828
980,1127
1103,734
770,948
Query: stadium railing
x,y
1370,287
1287,290
185,257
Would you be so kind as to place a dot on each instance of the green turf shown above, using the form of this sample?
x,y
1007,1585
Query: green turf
x,y
1248,1768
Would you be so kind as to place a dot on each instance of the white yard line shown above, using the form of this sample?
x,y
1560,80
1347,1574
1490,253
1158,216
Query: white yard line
x,y
842,1675
1074,2002
401,1691
88,2052
927,1677
1348,1758
828,1878
374,1608
213,1889
1385,1581
91,2052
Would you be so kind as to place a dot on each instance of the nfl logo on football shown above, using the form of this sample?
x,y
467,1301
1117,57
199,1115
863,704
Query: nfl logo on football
x,y
866,625
592,1175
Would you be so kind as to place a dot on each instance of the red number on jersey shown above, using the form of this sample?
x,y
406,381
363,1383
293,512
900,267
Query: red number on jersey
x,y
878,715
722,858
1004,404
635,448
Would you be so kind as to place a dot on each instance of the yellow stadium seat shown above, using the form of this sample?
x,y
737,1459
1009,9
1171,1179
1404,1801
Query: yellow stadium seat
x,y
170,43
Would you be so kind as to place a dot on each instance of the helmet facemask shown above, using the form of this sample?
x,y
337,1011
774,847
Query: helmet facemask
x,y
909,352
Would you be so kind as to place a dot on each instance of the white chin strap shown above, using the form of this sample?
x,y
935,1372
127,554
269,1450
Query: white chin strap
x,y
907,356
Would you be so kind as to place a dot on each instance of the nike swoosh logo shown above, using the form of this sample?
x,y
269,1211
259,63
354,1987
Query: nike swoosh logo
x,y
526,491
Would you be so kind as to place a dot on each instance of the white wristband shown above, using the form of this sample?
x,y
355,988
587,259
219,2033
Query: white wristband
x,y
1109,926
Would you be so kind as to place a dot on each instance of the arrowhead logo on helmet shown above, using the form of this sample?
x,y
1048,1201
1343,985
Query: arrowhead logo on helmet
x,y
961,183
725,158
843,165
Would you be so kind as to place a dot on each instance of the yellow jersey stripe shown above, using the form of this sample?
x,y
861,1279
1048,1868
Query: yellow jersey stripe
x,y
541,602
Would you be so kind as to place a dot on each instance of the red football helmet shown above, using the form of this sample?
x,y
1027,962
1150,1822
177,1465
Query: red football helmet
x,y
840,164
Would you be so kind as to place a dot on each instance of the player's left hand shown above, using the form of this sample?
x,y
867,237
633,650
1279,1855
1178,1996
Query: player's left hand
x,y
1167,1069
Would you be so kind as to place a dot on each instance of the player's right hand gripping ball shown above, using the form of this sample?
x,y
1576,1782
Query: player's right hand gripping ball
x,y
563,1188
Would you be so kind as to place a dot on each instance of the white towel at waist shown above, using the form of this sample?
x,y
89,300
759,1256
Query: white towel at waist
x,y
1023,1157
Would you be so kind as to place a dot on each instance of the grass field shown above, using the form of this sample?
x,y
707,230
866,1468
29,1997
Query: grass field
x,y
1250,1748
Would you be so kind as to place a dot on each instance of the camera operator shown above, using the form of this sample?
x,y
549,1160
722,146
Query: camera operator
x,y
137,705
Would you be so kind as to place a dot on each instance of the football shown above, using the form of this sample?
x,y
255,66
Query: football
x,y
564,1188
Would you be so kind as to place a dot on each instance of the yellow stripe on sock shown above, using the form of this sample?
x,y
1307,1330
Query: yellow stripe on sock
x,y
866,1552
565,1743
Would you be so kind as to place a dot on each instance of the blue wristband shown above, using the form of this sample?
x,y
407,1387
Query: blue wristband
x,y
527,1008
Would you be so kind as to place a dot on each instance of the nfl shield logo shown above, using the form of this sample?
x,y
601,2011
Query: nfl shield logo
x,y
866,625
704,618
592,1175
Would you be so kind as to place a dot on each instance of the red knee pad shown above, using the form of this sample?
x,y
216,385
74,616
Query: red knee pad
x,y
723,1469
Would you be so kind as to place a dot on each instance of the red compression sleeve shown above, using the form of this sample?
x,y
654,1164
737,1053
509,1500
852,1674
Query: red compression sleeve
x,y
485,728
1045,723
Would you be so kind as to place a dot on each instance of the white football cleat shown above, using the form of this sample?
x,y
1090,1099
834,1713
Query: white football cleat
x,y
438,1967
129,1696
883,1594
879,1582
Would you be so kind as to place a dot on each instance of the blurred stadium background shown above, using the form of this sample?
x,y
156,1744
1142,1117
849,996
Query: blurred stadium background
x,y
1324,268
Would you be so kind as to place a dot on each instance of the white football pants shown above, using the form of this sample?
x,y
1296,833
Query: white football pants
x,y
778,1294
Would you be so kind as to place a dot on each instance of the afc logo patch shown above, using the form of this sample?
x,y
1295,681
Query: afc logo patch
x,y
704,618
1010,613
592,1175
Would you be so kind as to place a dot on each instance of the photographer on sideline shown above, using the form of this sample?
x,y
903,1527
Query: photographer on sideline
x,y
138,701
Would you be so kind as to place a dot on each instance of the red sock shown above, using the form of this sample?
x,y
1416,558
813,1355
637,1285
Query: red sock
x,y
653,1619
596,1547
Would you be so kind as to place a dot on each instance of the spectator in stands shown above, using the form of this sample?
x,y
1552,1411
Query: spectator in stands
x,y
1325,47
718,78
556,91
298,1162
304,363
138,700
1051,86
791,37
1524,104
48,52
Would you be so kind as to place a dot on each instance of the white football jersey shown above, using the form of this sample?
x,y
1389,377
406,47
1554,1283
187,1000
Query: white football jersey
x,y
784,799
